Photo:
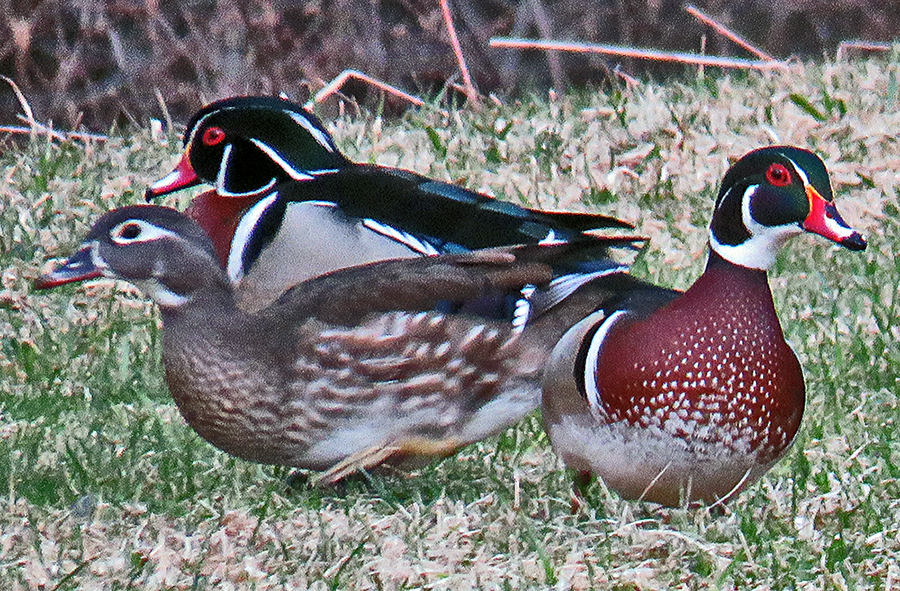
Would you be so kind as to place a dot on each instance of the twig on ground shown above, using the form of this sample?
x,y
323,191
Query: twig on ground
x,y
636,52
861,45
164,108
728,33
630,81
335,85
26,108
34,127
471,93
39,128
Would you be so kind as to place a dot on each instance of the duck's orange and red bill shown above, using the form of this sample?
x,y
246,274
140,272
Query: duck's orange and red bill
x,y
181,178
824,220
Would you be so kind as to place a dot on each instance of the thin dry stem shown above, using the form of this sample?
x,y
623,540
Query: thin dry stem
x,y
40,128
26,108
861,45
636,52
471,93
728,33
335,85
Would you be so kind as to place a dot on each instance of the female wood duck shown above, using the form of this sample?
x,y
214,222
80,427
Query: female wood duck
x,y
400,361
288,205
678,397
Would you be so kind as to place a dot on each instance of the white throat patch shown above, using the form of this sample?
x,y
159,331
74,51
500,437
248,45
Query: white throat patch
x,y
758,251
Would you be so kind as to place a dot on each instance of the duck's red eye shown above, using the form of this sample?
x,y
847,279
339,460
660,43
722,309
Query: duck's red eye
x,y
778,175
213,136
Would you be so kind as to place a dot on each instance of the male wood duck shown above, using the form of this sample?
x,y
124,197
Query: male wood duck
x,y
680,397
397,361
288,205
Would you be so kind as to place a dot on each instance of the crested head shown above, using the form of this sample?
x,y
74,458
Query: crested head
x,y
246,145
158,249
769,195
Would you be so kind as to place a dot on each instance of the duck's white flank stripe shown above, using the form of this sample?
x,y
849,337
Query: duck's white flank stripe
x,y
565,285
522,312
242,235
551,238
590,361
400,236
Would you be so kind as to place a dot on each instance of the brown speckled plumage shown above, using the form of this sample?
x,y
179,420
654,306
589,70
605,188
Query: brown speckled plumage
x,y
372,364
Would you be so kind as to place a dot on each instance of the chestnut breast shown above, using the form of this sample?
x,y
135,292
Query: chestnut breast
x,y
711,367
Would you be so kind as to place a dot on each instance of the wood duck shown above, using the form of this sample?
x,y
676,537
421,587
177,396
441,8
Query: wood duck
x,y
681,397
397,361
288,205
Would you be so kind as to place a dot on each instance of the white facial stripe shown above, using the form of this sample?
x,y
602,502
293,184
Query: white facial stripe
x,y
196,127
222,175
800,172
590,362
276,157
242,235
143,232
97,260
223,169
317,134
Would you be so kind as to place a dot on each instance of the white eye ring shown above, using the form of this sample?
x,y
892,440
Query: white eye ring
x,y
133,230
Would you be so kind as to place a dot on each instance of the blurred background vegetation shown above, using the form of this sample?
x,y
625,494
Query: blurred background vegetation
x,y
95,64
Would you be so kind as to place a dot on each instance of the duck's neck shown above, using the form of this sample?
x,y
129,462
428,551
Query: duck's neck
x,y
219,217
717,264
739,289
207,304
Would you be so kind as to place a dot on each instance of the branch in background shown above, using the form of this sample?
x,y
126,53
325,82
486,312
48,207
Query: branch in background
x,y
26,108
471,93
728,33
635,52
543,24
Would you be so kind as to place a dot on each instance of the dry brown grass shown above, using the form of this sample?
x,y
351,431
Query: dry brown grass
x,y
108,489
101,63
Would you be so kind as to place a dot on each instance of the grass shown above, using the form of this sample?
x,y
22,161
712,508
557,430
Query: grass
x,y
107,488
